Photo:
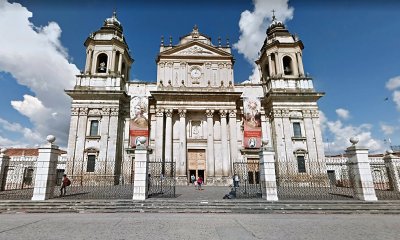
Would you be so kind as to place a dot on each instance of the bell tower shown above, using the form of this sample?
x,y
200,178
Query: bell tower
x,y
108,59
100,104
290,99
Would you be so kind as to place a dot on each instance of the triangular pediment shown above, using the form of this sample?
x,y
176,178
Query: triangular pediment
x,y
195,49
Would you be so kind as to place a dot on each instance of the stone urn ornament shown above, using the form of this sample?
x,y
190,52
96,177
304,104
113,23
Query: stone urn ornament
x,y
354,140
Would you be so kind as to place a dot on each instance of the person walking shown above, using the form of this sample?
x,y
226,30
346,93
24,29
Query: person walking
x,y
199,183
64,184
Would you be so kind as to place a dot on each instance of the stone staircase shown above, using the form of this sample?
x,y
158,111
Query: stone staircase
x,y
199,206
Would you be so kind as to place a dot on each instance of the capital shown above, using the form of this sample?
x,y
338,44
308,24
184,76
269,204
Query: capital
x,y
182,113
232,113
223,113
159,112
209,113
168,112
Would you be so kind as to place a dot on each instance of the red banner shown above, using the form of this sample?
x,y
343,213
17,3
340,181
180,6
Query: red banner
x,y
138,127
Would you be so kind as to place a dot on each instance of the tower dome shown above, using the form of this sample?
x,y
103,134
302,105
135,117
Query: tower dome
x,y
113,22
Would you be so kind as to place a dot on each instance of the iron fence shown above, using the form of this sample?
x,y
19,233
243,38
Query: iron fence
x,y
18,179
247,183
98,179
314,180
161,179
383,180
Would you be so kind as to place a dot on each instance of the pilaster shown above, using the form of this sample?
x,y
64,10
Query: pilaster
x,y
224,143
182,145
159,133
210,143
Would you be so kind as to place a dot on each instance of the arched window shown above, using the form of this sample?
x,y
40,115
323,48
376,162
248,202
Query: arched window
x,y
287,65
102,60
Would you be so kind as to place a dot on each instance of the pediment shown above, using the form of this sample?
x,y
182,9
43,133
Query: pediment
x,y
195,49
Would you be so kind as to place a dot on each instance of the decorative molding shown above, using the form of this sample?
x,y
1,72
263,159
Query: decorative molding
x,y
209,113
94,112
168,112
223,113
232,113
159,112
276,113
182,113
285,113
114,111
315,113
74,111
194,50
296,114
105,111
306,113
83,111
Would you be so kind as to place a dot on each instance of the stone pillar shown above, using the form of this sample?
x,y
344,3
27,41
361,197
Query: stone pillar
x,y
4,162
141,182
267,173
300,64
224,143
392,163
361,172
46,170
168,135
88,61
270,66
159,134
182,144
233,138
210,143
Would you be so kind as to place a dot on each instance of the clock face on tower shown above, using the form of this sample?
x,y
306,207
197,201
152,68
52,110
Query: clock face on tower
x,y
195,73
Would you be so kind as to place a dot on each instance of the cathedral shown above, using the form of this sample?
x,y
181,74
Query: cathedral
x,y
193,114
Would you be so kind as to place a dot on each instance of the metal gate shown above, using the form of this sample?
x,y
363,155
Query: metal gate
x,y
247,175
161,179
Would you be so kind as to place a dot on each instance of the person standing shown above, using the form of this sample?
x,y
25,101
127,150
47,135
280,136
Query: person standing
x,y
64,184
192,179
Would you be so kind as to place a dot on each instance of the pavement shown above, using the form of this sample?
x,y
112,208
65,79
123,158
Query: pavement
x,y
192,226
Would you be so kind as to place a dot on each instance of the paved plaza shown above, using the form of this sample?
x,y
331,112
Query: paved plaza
x,y
198,226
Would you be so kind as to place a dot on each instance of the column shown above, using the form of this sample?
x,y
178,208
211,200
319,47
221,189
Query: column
x,y
168,135
112,64
4,162
300,64
361,172
264,132
141,182
46,170
120,63
72,138
210,143
80,142
159,134
224,143
182,143
88,60
267,173
392,163
271,66
233,138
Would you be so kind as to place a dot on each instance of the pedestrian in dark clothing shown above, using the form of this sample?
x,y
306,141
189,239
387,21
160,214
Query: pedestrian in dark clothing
x,y
64,184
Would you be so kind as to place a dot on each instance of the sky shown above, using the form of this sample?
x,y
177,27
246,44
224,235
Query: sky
x,y
351,52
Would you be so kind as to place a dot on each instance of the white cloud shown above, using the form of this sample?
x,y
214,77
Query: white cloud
x,y
393,83
341,133
35,57
343,113
30,138
388,129
253,26
396,99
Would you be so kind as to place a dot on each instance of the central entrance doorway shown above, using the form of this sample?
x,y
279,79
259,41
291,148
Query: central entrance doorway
x,y
197,164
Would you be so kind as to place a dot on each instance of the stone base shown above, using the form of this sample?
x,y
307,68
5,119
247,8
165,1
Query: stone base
x,y
219,181
210,181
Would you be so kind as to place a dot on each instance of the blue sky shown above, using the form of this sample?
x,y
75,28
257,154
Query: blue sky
x,y
351,51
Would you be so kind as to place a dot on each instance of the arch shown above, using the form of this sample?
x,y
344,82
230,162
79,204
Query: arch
x,y
102,62
287,65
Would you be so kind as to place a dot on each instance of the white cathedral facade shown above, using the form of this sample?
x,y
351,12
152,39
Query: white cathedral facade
x,y
194,114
